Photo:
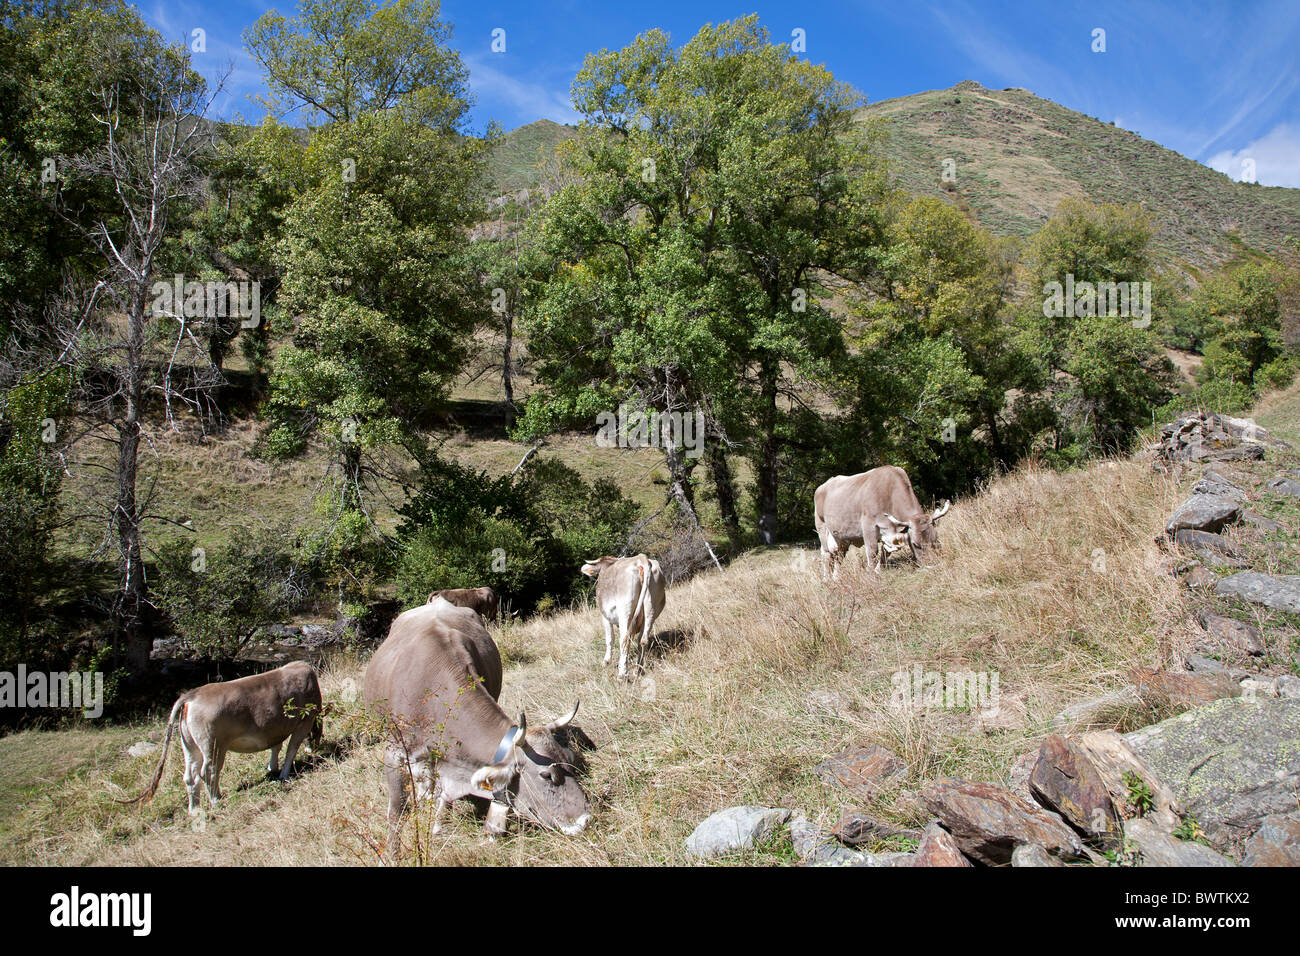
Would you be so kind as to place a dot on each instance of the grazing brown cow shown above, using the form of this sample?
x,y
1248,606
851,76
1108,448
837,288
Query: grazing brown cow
x,y
436,679
876,510
482,600
245,716
631,592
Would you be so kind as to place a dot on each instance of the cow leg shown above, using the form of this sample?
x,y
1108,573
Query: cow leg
x,y
609,638
871,536
214,758
439,810
193,767
645,637
624,625
395,772
295,742
273,767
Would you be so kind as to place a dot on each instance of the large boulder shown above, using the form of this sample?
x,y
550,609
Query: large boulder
x,y
1281,593
938,848
1229,763
735,829
1065,780
1156,847
1232,635
988,822
1275,843
1203,513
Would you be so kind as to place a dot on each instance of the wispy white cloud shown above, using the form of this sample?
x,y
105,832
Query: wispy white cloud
x,y
222,58
528,97
1275,157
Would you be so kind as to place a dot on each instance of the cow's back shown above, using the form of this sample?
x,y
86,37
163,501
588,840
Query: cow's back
x,y
255,707
431,654
840,503
619,586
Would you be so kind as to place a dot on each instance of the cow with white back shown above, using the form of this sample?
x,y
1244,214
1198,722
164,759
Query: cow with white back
x,y
242,716
436,680
876,510
631,593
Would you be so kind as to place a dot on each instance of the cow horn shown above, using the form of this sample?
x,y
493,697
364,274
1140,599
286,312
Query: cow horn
x,y
901,524
940,512
565,721
522,731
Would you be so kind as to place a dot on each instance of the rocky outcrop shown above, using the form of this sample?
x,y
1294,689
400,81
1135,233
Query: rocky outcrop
x,y
734,829
1229,763
988,822
1281,593
938,848
1209,436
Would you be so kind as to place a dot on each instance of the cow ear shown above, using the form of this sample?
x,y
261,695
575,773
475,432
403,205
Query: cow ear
x,y
495,776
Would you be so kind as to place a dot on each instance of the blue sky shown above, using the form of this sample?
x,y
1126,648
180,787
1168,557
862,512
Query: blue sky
x,y
1219,83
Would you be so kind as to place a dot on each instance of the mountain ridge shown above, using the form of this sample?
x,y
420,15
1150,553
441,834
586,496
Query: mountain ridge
x,y
1016,156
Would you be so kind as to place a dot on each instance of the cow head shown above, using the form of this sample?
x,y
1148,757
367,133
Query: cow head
x,y
918,532
538,776
593,567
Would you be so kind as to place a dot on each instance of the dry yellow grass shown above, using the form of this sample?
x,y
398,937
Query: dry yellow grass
x,y
1050,580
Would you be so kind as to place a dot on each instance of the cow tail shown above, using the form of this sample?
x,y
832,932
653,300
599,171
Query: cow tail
x,y
643,599
150,790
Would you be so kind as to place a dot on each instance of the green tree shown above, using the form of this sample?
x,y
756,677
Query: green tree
x,y
1101,374
936,357
373,243
718,185
1244,307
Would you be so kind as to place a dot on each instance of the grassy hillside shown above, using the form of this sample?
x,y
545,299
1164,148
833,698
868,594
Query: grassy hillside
x,y
514,164
1018,155
759,672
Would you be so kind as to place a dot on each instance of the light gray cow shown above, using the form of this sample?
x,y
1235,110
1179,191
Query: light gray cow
x,y
876,510
630,592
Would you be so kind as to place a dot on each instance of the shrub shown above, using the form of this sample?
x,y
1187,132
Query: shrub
x,y
524,536
218,598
